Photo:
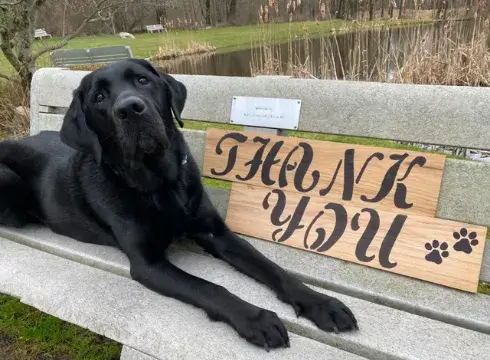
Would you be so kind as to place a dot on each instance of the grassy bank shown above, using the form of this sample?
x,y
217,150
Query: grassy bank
x,y
28,334
222,39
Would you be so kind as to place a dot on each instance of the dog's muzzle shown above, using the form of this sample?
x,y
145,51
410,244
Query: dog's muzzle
x,y
130,108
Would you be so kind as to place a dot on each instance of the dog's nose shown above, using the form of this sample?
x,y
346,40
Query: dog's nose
x,y
130,106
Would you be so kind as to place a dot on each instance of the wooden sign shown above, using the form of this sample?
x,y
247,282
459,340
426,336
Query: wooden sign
x,y
368,205
440,251
386,179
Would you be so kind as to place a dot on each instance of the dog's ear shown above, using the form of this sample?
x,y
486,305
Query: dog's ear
x,y
178,96
75,131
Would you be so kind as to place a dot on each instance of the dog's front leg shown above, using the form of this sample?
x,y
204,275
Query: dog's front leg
x,y
326,312
258,326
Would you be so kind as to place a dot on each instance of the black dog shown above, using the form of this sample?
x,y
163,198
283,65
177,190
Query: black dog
x,y
120,173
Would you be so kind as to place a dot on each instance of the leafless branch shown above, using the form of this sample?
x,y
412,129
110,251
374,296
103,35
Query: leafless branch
x,y
10,3
7,77
75,34
6,47
36,4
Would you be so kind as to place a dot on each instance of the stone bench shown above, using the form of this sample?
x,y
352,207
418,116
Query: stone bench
x,y
156,27
399,317
99,55
41,33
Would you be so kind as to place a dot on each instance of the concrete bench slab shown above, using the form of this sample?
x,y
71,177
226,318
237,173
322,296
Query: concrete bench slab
x,y
400,317
128,353
376,321
127,312
463,309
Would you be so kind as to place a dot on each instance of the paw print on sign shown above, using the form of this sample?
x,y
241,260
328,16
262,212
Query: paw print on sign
x,y
437,252
466,241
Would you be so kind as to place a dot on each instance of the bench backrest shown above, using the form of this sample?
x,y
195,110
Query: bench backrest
x,y
40,32
110,54
443,115
66,57
101,55
155,27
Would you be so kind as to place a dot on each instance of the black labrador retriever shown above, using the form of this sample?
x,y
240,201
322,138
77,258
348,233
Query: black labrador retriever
x,y
120,173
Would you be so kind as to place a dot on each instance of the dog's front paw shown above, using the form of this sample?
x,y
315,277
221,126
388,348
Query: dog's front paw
x,y
328,313
263,328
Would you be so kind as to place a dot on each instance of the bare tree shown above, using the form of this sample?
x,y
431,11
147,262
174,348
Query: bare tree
x,y
17,25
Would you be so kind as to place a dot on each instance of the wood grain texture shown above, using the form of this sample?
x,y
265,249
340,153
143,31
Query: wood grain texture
x,y
354,173
453,261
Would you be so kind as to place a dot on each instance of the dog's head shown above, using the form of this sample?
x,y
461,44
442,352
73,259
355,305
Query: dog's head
x,y
122,113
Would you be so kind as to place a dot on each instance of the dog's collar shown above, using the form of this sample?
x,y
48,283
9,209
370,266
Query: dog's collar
x,y
184,162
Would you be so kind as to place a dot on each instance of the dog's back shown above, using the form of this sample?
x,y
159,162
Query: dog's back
x,y
24,165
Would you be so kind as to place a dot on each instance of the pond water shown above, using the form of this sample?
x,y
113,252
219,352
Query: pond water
x,y
361,55
373,55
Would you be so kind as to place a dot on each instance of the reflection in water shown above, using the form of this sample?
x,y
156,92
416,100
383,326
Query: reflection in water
x,y
364,55
225,64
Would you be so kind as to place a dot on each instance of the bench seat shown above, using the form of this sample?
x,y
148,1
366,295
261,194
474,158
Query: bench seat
x,y
471,311
387,333
399,317
124,310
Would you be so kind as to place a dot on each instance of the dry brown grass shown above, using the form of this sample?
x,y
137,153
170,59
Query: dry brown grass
x,y
170,50
88,67
450,54
14,111
449,62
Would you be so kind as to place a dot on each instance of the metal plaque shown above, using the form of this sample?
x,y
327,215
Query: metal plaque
x,y
265,112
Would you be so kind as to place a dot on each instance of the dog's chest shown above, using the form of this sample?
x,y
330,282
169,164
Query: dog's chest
x,y
167,210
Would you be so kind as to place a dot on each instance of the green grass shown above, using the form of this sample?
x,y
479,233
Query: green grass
x,y
31,334
484,288
224,38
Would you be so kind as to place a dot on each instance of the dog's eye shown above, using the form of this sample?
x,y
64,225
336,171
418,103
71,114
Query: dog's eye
x,y
99,97
143,80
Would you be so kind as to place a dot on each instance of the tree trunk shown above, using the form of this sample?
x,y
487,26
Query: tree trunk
x,y
64,19
341,9
232,12
371,10
402,4
468,7
382,9
208,12
444,15
25,22
161,13
26,75
217,11
439,9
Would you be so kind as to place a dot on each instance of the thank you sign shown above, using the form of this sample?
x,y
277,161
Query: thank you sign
x,y
368,205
